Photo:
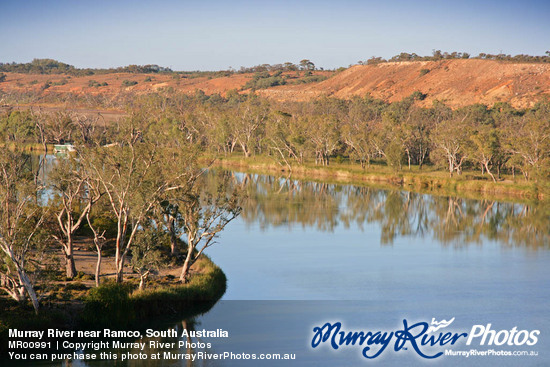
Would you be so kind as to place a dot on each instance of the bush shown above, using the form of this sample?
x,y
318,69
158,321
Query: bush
x,y
128,83
424,72
109,304
264,80
61,82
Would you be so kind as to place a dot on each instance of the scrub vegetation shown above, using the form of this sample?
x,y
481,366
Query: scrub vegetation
x,y
134,189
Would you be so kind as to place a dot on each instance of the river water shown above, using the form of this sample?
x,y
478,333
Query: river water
x,y
305,253
371,258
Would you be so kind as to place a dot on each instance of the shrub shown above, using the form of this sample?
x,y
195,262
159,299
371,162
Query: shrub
x,y
109,303
128,83
61,82
424,72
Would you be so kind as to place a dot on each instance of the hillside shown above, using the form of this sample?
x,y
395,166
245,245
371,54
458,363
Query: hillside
x,y
456,82
115,83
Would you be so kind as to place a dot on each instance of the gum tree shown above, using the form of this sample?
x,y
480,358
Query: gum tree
x,y
205,215
20,220
70,182
135,173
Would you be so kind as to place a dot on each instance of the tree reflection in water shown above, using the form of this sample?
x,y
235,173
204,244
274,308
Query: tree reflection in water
x,y
452,221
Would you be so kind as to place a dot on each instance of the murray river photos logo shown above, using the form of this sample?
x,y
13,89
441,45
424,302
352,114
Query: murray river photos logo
x,y
428,340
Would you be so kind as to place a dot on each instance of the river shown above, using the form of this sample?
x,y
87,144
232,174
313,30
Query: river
x,y
305,253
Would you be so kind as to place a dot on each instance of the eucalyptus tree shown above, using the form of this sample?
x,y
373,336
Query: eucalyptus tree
x,y
205,215
249,123
17,126
146,253
278,138
485,148
21,218
357,130
60,127
528,140
70,182
451,140
323,135
135,173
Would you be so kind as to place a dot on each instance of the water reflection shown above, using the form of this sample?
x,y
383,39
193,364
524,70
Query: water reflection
x,y
273,202
324,244
452,221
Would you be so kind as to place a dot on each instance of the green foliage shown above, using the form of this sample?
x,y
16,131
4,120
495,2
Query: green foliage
x,y
263,80
49,66
109,304
94,84
424,72
128,83
114,304
440,55
310,79
418,96
61,82
395,155
18,126
306,64
147,251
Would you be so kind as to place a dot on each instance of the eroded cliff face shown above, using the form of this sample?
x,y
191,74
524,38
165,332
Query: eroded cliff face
x,y
454,82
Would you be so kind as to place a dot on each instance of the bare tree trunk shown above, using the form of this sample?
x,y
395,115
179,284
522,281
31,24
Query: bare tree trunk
x,y
184,277
142,279
98,268
70,265
25,281
98,242
489,171
120,269
119,256
173,237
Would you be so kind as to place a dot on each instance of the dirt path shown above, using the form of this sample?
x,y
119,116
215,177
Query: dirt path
x,y
86,261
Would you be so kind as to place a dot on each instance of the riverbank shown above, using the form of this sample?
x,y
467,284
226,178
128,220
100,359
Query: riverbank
x,y
120,305
428,180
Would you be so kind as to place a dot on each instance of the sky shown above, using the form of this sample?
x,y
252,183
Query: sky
x,y
216,35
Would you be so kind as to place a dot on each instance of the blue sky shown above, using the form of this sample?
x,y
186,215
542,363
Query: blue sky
x,y
214,35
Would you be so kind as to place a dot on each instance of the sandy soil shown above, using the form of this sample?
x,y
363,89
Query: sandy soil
x,y
86,262
455,82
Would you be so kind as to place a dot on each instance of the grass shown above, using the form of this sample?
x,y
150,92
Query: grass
x,y
426,180
120,305
25,147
